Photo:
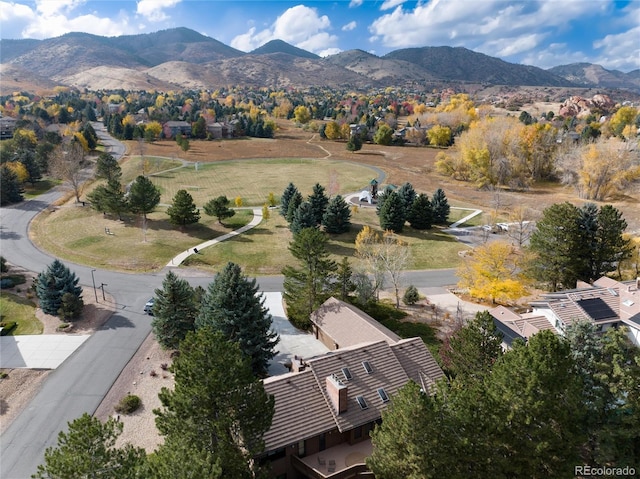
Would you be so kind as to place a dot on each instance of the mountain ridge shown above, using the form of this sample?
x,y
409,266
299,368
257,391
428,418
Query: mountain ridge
x,y
80,59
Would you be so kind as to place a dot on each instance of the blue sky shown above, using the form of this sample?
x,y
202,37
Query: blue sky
x,y
543,33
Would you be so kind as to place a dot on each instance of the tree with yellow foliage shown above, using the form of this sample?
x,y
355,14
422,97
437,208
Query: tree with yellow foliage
x,y
626,115
492,272
439,135
332,130
302,114
152,131
19,169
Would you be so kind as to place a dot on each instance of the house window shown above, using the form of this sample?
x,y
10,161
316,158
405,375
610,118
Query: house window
x,y
367,367
302,450
383,395
347,374
363,404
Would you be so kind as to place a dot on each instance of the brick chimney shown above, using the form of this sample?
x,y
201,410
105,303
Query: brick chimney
x,y
337,392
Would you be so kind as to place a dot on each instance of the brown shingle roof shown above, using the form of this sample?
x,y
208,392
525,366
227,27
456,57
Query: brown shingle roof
x,y
347,326
417,361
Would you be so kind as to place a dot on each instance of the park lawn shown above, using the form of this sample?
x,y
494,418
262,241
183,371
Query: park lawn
x,y
264,249
78,234
253,180
134,166
42,186
22,311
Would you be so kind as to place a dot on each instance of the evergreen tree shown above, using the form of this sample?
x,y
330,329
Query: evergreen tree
x,y
287,194
303,217
233,307
421,214
611,246
472,350
344,280
337,217
28,159
10,188
90,135
440,207
354,143
174,459
70,307
53,283
411,296
408,196
199,128
219,207
174,311
558,254
183,211
144,196
392,213
318,201
107,167
295,201
109,198
307,287
217,407
88,449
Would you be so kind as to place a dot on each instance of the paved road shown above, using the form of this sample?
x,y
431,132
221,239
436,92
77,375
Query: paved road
x,y
82,381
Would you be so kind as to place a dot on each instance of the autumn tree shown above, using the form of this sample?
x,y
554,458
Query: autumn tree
x,y
332,131
439,135
302,114
67,164
152,131
383,135
217,406
183,210
493,272
219,207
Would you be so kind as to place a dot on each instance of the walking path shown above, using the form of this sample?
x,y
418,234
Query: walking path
x,y
177,260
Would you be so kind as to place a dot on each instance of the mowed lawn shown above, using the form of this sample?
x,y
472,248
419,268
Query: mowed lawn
x,y
264,249
253,180
22,311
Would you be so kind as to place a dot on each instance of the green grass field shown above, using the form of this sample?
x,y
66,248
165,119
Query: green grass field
x,y
22,311
253,180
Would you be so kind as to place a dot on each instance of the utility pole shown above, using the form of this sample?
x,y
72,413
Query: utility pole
x,y
93,280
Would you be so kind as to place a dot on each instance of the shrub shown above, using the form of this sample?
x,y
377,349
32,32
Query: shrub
x,y
63,326
3,374
7,327
128,404
411,296
164,366
153,373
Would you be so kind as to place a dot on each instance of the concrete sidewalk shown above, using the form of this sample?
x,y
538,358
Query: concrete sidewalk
x,y
257,218
38,351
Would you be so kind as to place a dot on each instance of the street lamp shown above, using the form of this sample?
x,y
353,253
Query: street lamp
x,y
102,286
93,280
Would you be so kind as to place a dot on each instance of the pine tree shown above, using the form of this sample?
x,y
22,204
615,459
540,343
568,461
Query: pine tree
x,y
344,280
408,196
337,217
10,188
144,196
217,407
233,307
440,207
288,193
174,311
109,198
295,201
307,287
392,213
183,211
88,449
219,207
612,246
71,307
421,214
53,283
318,201
354,143
28,159
303,217
107,167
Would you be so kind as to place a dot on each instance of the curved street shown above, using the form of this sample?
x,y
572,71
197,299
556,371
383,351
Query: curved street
x,y
82,381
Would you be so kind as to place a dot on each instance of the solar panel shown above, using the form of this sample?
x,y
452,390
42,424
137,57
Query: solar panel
x,y
597,309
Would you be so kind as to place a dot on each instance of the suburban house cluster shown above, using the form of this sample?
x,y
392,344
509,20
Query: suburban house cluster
x,y
607,303
327,405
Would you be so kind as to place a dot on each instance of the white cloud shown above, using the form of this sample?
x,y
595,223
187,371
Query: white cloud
x,y
355,3
11,12
349,26
54,7
329,52
299,25
153,10
620,51
389,4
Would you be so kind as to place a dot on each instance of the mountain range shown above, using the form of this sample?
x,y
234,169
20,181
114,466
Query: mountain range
x,y
182,58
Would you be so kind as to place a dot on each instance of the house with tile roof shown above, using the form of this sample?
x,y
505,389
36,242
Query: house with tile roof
x,y
607,303
326,407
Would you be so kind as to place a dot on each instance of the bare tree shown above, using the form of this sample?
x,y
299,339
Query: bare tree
x,y
67,164
521,225
393,257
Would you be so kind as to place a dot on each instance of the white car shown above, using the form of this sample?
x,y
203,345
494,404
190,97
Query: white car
x,y
148,307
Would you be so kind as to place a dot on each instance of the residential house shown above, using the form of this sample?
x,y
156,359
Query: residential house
x,y
220,130
7,127
327,406
173,128
607,303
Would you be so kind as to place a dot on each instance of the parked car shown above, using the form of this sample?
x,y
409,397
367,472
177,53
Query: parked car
x,y
148,307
